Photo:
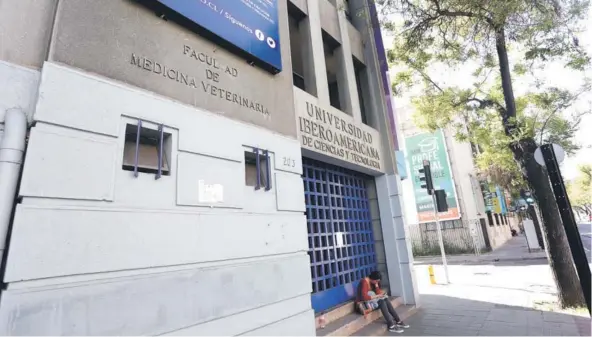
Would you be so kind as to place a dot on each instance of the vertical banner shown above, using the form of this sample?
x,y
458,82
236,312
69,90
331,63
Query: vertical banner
x,y
487,196
432,147
497,206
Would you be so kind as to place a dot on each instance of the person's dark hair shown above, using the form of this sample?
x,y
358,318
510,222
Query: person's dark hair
x,y
375,275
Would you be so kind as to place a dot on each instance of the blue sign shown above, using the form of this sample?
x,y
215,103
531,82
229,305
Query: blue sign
x,y
401,164
250,25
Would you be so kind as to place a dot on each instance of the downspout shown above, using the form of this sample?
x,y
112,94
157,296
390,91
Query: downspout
x,y
12,148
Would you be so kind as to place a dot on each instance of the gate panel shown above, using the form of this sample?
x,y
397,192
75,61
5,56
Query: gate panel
x,y
340,238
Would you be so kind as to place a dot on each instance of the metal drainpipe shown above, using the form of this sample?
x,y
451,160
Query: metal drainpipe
x,y
12,148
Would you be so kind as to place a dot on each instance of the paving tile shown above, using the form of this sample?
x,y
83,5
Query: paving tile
x,y
450,332
557,317
497,333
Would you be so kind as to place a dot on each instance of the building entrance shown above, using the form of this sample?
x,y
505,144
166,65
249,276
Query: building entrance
x,y
340,238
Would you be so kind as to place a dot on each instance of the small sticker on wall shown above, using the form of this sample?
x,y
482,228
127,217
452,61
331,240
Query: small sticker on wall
x,y
210,193
339,239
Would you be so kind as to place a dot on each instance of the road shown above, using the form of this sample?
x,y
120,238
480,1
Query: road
x,y
586,234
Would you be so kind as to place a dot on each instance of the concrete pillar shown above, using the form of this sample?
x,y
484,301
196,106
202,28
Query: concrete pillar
x,y
346,77
315,70
377,232
399,258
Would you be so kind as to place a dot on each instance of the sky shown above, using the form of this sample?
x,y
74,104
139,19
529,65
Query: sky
x,y
569,167
555,74
584,156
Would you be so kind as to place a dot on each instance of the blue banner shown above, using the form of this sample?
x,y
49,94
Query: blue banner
x,y
401,164
251,25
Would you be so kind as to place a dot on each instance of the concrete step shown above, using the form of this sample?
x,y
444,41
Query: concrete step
x,y
379,328
334,314
352,322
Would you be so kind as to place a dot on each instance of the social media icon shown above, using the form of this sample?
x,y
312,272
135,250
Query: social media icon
x,y
271,42
259,34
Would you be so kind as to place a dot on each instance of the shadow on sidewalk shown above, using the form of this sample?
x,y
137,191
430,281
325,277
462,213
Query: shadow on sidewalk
x,y
440,315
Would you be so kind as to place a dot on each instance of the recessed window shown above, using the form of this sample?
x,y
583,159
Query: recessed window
x,y
334,70
363,91
257,169
145,148
299,48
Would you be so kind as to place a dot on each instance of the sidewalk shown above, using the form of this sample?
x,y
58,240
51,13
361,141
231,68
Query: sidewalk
x,y
515,249
449,316
493,298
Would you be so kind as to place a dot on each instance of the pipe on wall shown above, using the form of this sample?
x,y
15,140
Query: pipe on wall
x,y
12,148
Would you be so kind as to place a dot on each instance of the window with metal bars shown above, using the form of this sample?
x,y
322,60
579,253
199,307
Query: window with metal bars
x,y
258,169
147,150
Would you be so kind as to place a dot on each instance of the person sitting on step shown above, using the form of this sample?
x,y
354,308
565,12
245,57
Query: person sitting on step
x,y
370,297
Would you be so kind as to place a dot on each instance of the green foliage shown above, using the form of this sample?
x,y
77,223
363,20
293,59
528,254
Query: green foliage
x,y
455,31
580,190
435,36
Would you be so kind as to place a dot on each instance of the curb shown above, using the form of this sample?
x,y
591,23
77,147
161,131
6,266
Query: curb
x,y
439,261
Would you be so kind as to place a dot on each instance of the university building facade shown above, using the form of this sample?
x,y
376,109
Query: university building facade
x,y
190,167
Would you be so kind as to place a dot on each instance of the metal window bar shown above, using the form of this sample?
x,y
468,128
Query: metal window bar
x,y
160,146
258,168
136,161
267,170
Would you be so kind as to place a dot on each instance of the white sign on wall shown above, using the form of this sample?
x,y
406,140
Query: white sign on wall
x,y
339,239
332,132
210,193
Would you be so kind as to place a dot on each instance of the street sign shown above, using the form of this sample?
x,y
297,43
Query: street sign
x,y
559,155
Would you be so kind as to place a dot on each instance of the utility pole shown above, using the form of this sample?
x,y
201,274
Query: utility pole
x,y
440,240
569,223
439,204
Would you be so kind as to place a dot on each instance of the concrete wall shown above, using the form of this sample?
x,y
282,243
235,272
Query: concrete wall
x,y
463,167
381,259
499,235
302,5
123,255
329,20
18,88
25,31
104,36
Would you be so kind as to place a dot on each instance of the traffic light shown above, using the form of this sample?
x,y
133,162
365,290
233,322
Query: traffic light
x,y
425,176
441,203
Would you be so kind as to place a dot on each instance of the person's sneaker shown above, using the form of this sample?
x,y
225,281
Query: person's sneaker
x,y
395,328
403,325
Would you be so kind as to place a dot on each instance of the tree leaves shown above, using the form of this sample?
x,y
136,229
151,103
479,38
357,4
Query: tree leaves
x,y
580,190
446,35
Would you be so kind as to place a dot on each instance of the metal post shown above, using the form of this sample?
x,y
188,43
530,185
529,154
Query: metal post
x,y
440,240
258,168
569,222
137,154
267,170
160,146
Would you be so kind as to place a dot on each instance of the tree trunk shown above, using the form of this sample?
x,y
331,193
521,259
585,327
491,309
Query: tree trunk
x,y
560,259
537,226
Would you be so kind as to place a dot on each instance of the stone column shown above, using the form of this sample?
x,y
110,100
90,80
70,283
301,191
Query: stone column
x,y
315,70
399,258
346,77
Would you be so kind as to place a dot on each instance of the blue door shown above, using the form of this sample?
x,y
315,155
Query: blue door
x,y
340,239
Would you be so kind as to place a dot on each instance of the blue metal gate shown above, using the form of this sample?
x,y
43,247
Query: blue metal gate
x,y
340,239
